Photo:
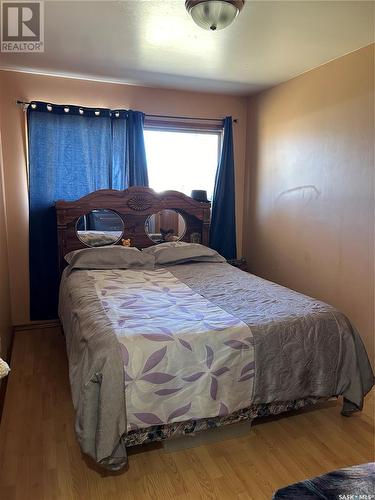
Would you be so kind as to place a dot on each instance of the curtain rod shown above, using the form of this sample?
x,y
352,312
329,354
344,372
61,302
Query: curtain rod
x,y
190,118
25,103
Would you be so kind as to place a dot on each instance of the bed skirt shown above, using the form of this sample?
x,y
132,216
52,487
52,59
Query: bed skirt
x,y
168,431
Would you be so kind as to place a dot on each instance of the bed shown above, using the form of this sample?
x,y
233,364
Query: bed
x,y
161,348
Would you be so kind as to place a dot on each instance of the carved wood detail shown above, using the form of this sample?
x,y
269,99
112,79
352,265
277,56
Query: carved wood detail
x,y
139,203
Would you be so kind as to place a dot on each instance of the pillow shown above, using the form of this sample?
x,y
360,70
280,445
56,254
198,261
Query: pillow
x,y
112,257
169,244
178,252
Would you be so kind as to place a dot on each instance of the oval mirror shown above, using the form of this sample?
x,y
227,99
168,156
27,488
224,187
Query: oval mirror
x,y
166,225
100,227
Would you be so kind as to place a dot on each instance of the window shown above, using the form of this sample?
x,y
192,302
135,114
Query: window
x,y
182,160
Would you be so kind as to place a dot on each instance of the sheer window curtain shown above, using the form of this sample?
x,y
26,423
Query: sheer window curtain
x,y
72,152
223,217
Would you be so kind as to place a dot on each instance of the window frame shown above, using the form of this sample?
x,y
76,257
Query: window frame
x,y
186,125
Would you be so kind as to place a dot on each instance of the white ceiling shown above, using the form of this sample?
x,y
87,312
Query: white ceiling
x,y
156,43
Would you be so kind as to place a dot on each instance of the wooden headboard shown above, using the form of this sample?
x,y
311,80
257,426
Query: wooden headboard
x,y
134,206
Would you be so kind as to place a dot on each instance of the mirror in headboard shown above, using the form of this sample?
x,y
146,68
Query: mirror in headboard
x,y
166,225
135,206
100,227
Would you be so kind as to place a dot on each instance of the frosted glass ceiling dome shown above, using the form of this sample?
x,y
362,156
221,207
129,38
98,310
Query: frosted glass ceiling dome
x,y
214,14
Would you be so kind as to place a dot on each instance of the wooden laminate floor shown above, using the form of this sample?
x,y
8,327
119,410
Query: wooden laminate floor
x,y
40,458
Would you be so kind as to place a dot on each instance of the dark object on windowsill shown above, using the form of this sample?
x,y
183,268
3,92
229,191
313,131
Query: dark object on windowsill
x,y
199,195
240,263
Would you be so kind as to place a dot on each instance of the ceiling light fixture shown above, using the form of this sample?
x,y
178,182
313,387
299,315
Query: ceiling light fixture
x,y
214,14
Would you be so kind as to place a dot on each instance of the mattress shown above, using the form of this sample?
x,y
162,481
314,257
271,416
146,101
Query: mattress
x,y
284,345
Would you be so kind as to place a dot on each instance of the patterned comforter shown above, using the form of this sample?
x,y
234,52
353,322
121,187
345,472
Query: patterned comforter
x,y
192,341
184,357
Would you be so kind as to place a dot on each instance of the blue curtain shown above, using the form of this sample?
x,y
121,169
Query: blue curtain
x,y
129,154
223,217
72,152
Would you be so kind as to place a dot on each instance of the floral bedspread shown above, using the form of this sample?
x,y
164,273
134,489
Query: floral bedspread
x,y
184,357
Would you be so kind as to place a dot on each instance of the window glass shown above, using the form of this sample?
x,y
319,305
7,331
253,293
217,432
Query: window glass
x,y
182,161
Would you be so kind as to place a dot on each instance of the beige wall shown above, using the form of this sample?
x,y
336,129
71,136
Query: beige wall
x,y
88,93
309,213
5,317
